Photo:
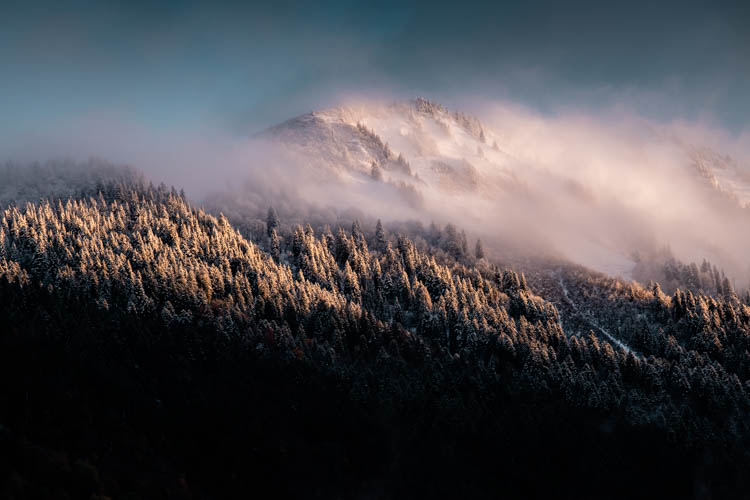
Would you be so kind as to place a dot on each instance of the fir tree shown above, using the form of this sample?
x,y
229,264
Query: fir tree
x,y
272,221
479,250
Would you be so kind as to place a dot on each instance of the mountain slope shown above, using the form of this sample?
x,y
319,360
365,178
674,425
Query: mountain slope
x,y
147,348
417,142
722,173
550,186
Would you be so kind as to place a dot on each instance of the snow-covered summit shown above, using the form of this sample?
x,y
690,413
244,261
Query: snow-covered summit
x,y
594,190
417,142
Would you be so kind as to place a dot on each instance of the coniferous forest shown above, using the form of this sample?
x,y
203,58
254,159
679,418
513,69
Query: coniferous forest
x,y
400,250
150,349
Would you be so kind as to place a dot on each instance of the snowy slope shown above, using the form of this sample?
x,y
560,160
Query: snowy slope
x,y
434,149
418,142
462,170
590,194
723,173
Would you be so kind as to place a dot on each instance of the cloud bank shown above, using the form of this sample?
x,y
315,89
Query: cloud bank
x,y
591,187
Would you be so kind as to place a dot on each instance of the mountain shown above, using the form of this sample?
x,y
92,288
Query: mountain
x,y
424,143
417,142
149,349
447,166
561,187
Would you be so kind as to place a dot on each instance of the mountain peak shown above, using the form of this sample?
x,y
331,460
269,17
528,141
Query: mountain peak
x,y
417,142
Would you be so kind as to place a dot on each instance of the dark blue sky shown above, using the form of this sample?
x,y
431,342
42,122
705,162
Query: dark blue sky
x,y
185,65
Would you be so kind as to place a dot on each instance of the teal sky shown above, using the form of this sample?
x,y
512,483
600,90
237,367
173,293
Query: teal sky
x,y
174,67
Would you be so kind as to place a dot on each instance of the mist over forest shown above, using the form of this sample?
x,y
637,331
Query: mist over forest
x,y
416,250
606,190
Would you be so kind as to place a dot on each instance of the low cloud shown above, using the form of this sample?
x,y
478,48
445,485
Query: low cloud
x,y
592,187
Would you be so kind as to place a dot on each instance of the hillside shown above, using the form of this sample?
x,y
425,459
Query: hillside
x,y
149,349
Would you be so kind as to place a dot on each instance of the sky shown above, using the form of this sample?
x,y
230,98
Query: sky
x,y
159,70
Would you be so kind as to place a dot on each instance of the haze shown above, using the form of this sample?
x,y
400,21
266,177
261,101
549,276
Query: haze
x,y
599,111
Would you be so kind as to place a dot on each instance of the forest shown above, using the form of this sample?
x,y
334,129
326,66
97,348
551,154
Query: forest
x,y
150,348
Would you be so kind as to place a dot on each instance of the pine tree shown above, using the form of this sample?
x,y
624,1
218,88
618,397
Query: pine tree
x,y
479,250
272,221
727,288
380,239
275,245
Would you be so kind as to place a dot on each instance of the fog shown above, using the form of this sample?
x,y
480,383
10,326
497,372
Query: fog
x,y
595,188
597,166
591,187
616,182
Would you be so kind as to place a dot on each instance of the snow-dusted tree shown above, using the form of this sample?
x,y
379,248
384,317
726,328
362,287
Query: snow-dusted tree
x,y
272,221
380,238
479,249
274,245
